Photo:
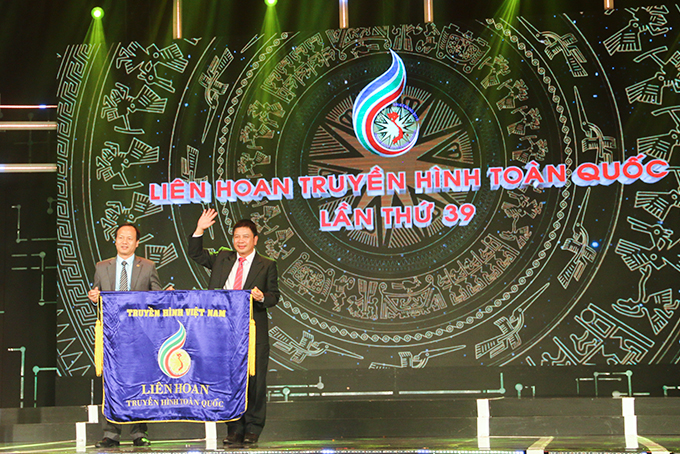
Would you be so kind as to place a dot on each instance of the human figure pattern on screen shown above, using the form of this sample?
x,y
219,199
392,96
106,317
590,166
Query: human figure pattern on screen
x,y
515,91
535,151
499,67
118,214
653,250
510,328
566,45
524,282
150,63
651,90
662,145
120,104
114,162
644,20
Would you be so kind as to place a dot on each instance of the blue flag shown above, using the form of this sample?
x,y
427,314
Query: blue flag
x,y
176,355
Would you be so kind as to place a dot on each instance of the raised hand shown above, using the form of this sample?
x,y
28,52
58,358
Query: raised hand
x,y
205,221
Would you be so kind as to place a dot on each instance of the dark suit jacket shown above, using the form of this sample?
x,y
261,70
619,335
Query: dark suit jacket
x,y
144,275
262,274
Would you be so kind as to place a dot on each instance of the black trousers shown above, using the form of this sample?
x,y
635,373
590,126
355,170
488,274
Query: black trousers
x,y
253,419
113,430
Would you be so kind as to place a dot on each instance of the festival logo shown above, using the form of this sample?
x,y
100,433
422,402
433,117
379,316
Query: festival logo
x,y
384,127
173,361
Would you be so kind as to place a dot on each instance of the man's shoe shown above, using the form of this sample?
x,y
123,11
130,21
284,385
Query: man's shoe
x,y
107,443
141,441
233,439
250,438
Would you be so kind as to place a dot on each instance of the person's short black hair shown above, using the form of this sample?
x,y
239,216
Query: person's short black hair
x,y
246,223
129,224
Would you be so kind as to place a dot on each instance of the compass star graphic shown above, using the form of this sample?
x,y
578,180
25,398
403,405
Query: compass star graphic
x,y
449,147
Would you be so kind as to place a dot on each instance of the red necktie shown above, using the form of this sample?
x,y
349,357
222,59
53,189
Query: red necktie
x,y
238,280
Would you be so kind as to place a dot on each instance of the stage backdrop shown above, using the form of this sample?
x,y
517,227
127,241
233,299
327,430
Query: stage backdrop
x,y
561,272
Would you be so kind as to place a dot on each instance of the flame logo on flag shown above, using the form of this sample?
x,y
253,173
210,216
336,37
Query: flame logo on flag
x,y
382,126
173,361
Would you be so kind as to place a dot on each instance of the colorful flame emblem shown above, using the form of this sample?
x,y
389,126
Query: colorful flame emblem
x,y
173,361
382,126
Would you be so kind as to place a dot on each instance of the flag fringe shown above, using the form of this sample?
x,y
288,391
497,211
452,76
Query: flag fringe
x,y
251,342
99,341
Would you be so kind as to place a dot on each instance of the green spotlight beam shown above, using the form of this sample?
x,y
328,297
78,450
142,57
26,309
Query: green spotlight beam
x,y
95,37
507,12
95,33
270,28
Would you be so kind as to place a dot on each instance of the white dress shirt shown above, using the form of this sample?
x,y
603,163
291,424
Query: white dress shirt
x,y
128,269
229,285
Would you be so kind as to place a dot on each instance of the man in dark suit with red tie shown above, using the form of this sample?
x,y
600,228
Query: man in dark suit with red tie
x,y
243,268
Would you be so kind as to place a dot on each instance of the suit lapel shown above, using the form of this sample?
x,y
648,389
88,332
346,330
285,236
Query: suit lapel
x,y
255,268
226,269
135,272
111,273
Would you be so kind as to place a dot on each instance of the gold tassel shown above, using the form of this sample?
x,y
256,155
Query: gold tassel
x,y
251,342
99,342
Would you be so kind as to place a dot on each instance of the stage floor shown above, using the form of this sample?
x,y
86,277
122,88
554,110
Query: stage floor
x,y
496,445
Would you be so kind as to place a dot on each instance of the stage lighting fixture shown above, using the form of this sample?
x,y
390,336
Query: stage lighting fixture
x,y
271,2
344,14
97,12
427,6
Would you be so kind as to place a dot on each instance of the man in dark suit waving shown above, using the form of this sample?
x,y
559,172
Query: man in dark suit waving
x,y
243,269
